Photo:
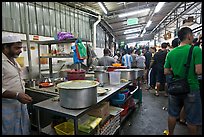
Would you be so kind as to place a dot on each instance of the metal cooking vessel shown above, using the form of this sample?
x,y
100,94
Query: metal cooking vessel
x,y
128,74
77,94
102,76
138,73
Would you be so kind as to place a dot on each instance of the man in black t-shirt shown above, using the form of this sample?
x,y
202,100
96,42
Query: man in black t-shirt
x,y
148,56
159,60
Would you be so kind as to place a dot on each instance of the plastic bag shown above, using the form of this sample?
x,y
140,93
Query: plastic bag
x,y
64,35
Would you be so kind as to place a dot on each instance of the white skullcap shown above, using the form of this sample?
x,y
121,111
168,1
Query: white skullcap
x,y
10,39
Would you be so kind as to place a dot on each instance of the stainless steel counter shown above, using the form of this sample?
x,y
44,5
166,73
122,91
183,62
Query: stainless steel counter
x,y
49,90
55,105
55,108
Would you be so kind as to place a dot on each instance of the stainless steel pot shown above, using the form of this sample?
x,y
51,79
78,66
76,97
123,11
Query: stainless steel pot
x,y
138,73
102,76
128,74
78,94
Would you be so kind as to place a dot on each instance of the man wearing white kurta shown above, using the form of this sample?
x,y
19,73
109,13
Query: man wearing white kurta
x,y
15,118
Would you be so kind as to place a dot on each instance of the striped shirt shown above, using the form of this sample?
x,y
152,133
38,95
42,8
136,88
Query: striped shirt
x,y
127,60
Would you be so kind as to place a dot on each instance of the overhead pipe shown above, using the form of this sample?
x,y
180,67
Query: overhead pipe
x,y
28,41
94,31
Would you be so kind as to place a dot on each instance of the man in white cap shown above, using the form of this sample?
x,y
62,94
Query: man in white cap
x,y
15,118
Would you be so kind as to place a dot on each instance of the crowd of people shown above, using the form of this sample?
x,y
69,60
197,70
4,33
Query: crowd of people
x,y
166,64
161,67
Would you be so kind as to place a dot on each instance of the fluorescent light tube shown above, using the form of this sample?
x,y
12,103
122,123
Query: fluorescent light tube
x,y
144,31
134,12
158,7
148,23
132,37
102,7
132,30
142,35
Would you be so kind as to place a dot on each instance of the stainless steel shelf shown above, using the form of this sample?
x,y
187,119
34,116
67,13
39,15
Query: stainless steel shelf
x,y
56,56
129,112
49,42
48,130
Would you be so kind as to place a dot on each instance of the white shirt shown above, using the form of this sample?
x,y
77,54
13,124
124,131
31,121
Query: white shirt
x,y
11,76
140,61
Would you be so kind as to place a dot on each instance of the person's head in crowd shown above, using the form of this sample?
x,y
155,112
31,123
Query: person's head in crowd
x,y
175,42
132,51
164,45
168,44
185,35
195,40
11,46
139,52
106,52
147,48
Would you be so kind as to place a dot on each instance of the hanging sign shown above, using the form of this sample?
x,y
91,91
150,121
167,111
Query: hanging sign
x,y
132,21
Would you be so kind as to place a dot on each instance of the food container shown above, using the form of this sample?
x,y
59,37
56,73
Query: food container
x,y
138,73
85,125
118,99
128,74
112,68
77,94
64,128
114,78
101,76
116,64
76,75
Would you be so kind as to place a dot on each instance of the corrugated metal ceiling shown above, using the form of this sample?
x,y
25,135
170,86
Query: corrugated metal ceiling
x,y
119,25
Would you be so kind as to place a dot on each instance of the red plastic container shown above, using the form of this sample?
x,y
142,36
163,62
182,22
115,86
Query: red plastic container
x,y
112,68
76,75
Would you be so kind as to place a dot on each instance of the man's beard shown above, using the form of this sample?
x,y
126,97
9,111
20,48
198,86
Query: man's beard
x,y
13,55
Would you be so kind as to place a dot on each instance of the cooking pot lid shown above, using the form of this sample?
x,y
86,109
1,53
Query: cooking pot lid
x,y
78,84
125,70
138,69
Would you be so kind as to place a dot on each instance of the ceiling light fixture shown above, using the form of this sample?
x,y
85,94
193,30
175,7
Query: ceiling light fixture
x,y
102,7
133,13
158,7
132,37
148,23
132,30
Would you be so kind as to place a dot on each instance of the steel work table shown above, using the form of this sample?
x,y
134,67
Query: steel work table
x,y
55,108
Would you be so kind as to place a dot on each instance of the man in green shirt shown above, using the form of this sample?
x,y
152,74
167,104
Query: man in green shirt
x,y
174,63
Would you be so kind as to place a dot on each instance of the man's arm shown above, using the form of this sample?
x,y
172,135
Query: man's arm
x,y
20,96
167,67
167,71
198,69
198,60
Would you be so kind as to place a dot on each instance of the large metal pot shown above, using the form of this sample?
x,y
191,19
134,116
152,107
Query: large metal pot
x,y
128,74
78,94
102,76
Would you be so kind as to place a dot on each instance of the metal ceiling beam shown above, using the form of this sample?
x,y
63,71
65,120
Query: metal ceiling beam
x,y
175,15
133,8
127,34
145,37
107,27
129,27
124,20
169,14
88,12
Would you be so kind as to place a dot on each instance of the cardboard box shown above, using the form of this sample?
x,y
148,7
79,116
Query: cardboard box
x,y
102,110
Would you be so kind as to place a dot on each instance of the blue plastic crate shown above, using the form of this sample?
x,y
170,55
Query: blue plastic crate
x,y
118,99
